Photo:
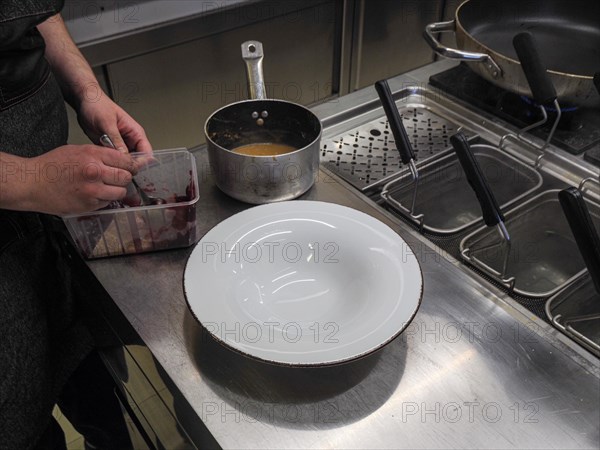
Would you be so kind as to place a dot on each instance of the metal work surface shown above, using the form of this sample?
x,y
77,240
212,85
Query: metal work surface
x,y
472,370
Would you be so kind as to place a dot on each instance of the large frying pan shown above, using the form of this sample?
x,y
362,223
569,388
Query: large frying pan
x,y
567,33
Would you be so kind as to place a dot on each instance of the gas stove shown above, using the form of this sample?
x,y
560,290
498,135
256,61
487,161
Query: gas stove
x,y
433,107
578,130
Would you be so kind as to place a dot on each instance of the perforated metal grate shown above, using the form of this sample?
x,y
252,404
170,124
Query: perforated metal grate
x,y
367,156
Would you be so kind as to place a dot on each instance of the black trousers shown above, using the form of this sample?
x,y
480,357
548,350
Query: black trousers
x,y
88,400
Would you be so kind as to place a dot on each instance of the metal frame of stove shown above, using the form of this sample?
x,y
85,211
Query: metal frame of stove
x,y
565,325
543,156
467,253
556,163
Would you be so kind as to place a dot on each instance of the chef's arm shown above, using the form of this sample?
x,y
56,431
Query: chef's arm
x,y
96,112
74,74
15,196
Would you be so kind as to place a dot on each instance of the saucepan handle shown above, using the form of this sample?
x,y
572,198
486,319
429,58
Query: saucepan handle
x,y
585,234
252,53
539,82
452,53
492,215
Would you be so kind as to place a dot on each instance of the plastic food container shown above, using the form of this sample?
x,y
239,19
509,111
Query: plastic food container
x,y
172,176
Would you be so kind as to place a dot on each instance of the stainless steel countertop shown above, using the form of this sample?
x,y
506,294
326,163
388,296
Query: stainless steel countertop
x,y
471,371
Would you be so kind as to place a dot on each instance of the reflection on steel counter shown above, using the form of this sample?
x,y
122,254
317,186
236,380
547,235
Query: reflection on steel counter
x,y
470,349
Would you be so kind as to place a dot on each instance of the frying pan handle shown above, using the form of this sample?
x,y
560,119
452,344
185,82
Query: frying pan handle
x,y
597,81
492,215
252,53
393,116
539,82
447,52
585,234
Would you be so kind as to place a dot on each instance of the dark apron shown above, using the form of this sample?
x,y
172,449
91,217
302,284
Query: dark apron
x,y
42,339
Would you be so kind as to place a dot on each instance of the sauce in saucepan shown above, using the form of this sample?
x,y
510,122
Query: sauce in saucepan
x,y
265,149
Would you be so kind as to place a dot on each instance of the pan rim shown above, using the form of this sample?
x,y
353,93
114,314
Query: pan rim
x,y
499,56
220,147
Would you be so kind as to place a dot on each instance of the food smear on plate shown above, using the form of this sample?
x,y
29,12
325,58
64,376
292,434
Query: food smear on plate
x,y
264,149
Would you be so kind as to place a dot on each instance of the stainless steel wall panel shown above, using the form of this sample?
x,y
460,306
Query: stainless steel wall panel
x,y
450,7
173,91
389,38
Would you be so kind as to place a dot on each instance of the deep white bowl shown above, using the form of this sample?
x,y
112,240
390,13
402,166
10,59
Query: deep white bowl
x,y
303,283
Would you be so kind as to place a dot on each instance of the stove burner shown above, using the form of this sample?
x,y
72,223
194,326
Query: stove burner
x,y
548,108
569,120
579,128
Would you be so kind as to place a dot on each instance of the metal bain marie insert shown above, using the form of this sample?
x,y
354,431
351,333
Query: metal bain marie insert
x,y
367,157
445,203
542,257
576,312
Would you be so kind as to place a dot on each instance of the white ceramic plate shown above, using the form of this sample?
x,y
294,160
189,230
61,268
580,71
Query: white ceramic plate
x,y
303,283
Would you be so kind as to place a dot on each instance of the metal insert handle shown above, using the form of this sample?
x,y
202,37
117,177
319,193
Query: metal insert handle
x,y
541,87
252,53
407,155
447,52
585,234
492,215
391,111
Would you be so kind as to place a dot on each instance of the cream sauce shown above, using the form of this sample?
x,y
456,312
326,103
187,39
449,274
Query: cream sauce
x,y
265,149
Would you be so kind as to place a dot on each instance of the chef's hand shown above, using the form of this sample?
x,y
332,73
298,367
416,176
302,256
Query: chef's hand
x,y
98,116
78,178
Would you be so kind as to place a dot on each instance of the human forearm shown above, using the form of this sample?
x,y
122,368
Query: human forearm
x,y
68,179
16,183
73,72
96,112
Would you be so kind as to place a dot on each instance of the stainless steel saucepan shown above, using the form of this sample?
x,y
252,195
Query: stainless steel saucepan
x,y
263,123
